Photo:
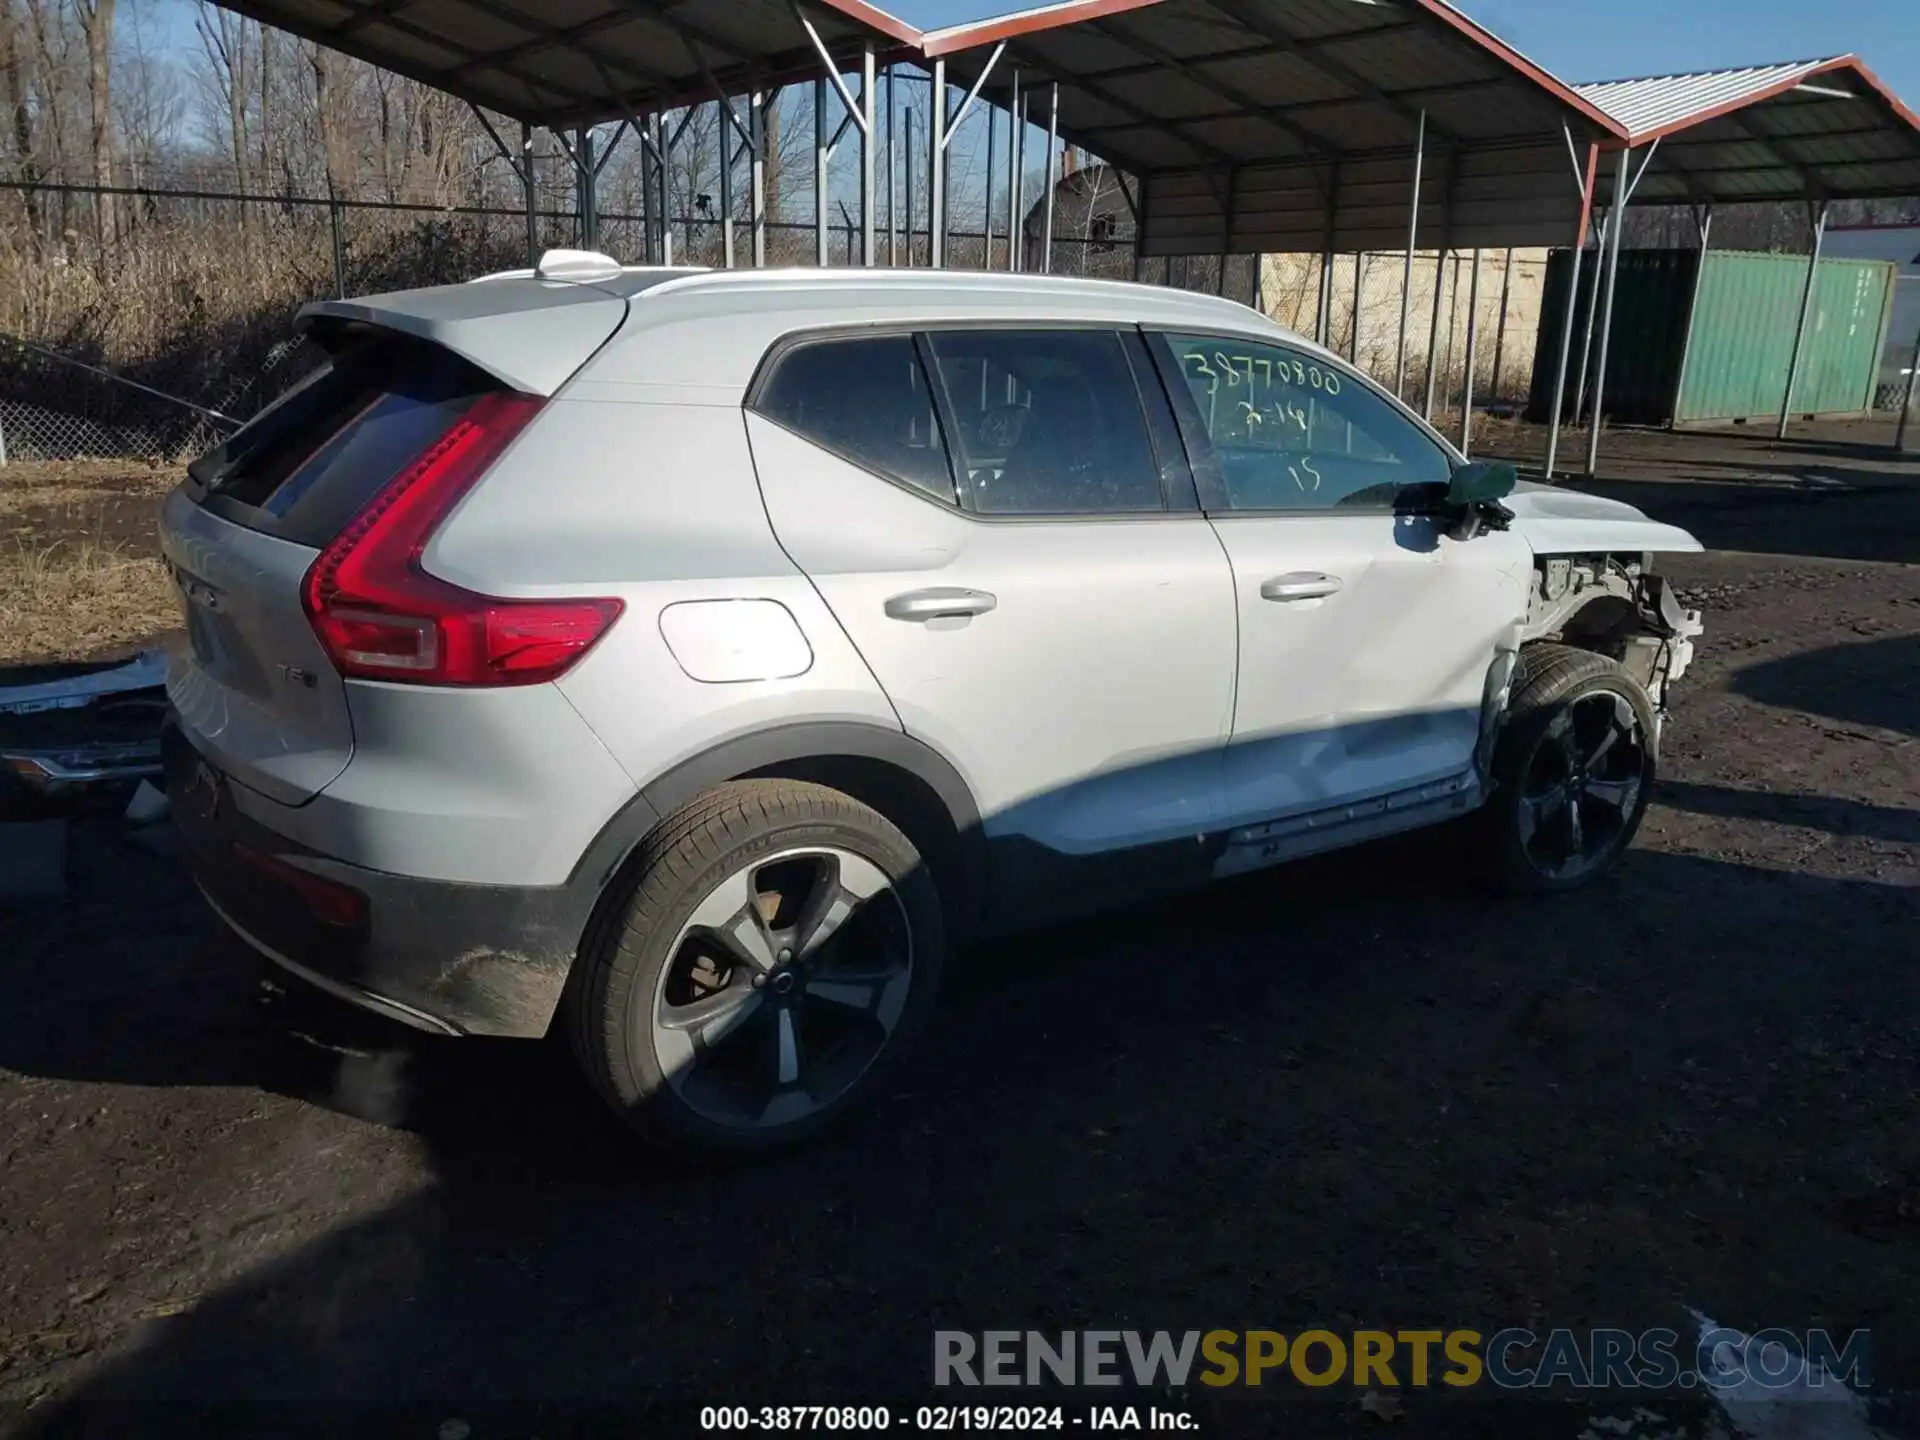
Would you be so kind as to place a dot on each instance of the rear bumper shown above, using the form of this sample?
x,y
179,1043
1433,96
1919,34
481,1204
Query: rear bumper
x,y
445,957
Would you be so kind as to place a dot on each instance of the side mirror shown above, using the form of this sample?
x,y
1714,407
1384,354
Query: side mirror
x,y
1482,482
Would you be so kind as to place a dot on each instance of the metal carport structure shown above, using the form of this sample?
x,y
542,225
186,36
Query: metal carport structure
x,y
572,64
1315,126
1813,130
1318,126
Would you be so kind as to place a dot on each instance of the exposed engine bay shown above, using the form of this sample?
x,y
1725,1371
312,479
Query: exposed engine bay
x,y
1614,604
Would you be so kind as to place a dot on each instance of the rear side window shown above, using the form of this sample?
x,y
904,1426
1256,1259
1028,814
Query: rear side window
x,y
1047,422
304,466
865,399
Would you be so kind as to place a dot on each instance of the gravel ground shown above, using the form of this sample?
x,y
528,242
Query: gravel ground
x,y
1352,1093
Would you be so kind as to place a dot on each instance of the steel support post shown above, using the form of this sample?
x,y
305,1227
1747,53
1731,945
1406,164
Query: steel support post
x,y
1473,358
893,172
1323,331
757,181
1323,300
1433,331
530,194
869,155
1806,316
1625,186
1053,138
1359,295
861,115
523,169
583,178
913,240
937,166
1500,334
1595,286
727,157
1704,222
339,244
820,155
1913,390
1440,286
1616,233
1586,180
1593,314
1016,182
986,209
663,182
1141,211
649,163
1413,239
1227,207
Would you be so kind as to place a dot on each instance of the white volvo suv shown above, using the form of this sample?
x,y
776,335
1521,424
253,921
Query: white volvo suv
x,y
691,659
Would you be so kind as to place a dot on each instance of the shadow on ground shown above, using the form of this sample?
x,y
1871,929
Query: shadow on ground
x,y
1876,682
1351,1093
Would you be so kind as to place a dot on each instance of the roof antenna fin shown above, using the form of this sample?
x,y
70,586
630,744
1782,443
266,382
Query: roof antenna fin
x,y
577,267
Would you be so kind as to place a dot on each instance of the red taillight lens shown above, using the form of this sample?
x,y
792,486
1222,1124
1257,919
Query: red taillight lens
x,y
382,617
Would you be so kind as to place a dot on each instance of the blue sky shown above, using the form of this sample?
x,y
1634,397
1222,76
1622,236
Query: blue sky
x,y
1607,39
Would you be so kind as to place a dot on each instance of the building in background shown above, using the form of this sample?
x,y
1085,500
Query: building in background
x,y
1512,284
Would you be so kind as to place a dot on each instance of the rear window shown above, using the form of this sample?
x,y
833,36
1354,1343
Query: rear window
x,y
304,466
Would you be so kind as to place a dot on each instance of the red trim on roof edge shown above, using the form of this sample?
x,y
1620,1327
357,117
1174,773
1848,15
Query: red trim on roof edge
x,y
1492,43
977,34
1899,106
980,33
875,18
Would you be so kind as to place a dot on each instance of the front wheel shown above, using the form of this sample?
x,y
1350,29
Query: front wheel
x,y
1572,773
781,947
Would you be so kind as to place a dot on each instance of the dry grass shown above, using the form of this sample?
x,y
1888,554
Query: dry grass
x,y
34,484
78,574
77,598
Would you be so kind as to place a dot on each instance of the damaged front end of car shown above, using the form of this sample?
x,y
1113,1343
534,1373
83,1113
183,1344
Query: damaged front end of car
x,y
1610,602
1618,606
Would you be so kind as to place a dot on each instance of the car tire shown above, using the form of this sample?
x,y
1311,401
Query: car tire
x,y
714,1014
1573,769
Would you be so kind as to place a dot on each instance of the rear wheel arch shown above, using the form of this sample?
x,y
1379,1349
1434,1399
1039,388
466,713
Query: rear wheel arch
x,y
907,781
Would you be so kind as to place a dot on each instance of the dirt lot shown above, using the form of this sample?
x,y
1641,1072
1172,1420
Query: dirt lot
x,y
1351,1093
80,566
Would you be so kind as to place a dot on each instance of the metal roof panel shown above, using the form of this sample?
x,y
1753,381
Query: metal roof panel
x,y
1654,102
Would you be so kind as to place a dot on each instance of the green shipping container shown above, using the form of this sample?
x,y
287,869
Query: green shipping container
x,y
1742,336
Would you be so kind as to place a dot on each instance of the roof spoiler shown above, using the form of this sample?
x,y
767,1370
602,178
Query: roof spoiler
x,y
525,331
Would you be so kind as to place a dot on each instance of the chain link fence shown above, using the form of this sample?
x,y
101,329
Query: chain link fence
x,y
156,346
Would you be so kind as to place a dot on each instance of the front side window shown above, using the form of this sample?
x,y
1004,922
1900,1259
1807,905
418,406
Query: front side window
x,y
866,399
1292,432
1047,422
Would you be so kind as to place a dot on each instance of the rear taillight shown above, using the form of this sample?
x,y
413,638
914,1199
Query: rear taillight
x,y
381,616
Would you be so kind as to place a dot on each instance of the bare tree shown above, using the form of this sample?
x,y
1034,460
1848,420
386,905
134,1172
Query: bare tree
x,y
16,74
227,41
95,18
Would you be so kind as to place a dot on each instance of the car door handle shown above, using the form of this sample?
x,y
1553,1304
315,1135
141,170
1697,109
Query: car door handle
x,y
943,602
1300,587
